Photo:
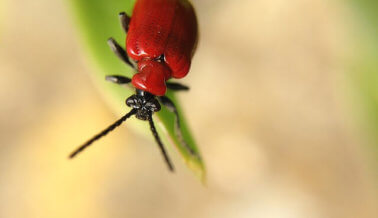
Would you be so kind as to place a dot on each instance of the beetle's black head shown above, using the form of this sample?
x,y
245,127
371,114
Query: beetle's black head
x,y
144,103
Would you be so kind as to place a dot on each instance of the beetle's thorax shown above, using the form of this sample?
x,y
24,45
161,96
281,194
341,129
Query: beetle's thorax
x,y
145,104
151,76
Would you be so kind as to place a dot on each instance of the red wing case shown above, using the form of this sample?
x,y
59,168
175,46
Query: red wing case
x,y
167,27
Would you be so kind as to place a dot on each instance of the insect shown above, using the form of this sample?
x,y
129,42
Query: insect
x,y
161,40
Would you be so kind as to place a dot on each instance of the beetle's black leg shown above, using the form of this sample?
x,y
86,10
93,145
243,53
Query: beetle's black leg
x,y
176,86
161,146
172,108
125,21
121,80
120,52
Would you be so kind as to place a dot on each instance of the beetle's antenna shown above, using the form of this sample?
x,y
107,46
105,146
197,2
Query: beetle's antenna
x,y
103,133
161,146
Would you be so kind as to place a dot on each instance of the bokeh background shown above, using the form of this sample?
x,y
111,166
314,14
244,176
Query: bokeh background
x,y
282,105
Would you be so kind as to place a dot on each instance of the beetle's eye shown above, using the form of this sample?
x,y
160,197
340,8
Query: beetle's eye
x,y
153,105
133,102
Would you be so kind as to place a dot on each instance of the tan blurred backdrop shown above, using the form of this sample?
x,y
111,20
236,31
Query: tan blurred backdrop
x,y
268,106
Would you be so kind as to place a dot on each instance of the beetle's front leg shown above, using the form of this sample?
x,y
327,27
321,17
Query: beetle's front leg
x,y
125,21
176,86
172,108
120,52
120,80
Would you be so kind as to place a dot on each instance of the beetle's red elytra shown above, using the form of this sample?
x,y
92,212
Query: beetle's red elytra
x,y
161,27
161,40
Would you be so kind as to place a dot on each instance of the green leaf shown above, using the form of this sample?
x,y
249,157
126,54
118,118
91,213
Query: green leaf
x,y
96,22
364,66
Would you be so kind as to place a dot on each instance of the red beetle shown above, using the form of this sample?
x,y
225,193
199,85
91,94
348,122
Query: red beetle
x,y
161,40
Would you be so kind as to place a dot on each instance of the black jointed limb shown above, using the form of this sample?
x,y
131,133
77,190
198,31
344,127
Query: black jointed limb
x,y
125,21
161,146
172,108
103,133
177,86
121,80
120,52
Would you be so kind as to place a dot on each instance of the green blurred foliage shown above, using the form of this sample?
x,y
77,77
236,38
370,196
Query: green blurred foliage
x,y
365,65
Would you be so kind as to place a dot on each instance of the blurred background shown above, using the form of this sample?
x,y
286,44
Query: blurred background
x,y
282,106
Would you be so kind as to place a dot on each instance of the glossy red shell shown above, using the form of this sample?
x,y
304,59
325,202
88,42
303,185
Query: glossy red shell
x,y
161,27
